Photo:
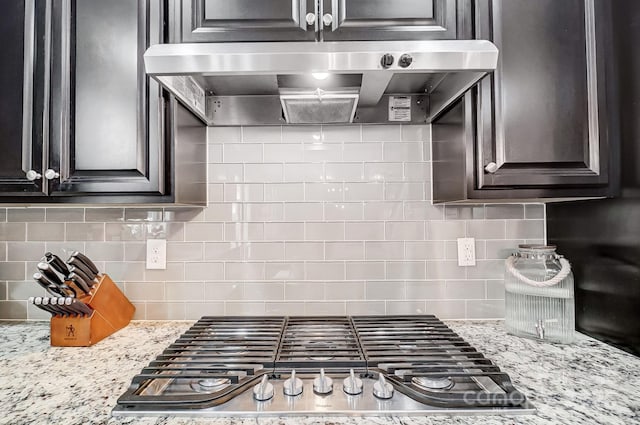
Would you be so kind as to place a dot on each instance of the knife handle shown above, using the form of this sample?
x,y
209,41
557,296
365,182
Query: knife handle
x,y
48,285
79,281
57,263
47,271
90,264
79,265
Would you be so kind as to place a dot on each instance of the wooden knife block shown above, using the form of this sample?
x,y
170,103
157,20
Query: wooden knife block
x,y
112,311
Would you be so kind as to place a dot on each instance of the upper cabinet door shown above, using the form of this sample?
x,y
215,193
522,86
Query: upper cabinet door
x,y
542,117
391,20
106,114
22,99
243,20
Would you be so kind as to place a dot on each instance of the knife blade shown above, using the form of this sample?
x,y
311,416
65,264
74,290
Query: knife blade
x,y
57,263
48,272
51,288
79,265
80,282
90,264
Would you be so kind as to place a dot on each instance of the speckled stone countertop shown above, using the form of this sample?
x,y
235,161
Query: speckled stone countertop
x,y
585,383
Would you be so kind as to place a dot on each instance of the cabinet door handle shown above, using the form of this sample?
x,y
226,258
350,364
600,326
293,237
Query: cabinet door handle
x,y
491,167
51,174
327,19
33,175
310,18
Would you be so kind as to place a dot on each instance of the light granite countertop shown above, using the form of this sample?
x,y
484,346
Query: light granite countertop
x,y
585,383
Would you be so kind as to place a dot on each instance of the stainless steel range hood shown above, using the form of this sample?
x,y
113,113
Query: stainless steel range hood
x,y
328,82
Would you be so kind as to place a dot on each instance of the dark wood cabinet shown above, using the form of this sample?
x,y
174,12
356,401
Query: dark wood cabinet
x,y
22,62
243,20
317,20
540,126
404,20
106,133
89,125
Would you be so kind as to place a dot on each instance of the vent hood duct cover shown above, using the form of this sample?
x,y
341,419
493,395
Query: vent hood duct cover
x,y
242,83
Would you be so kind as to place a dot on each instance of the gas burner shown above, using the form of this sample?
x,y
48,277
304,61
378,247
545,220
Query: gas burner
x,y
365,365
210,385
432,383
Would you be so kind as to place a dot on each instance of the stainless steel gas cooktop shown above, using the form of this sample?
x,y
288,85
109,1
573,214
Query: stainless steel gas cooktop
x,y
299,366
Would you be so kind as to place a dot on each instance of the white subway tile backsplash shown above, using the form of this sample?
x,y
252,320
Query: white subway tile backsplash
x,y
299,291
242,152
362,152
344,250
324,192
303,172
406,307
243,192
284,231
402,151
266,134
302,134
381,133
363,191
371,231
324,230
322,152
285,152
385,290
325,270
303,211
365,270
404,230
344,172
404,192
224,134
343,211
341,133
286,192
383,210
325,308
410,270
263,173
317,220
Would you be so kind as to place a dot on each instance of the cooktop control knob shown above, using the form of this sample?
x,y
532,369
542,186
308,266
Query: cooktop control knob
x,y
405,60
382,389
264,390
386,60
293,385
322,384
352,384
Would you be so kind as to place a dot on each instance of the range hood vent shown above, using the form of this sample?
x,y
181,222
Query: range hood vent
x,y
319,106
326,83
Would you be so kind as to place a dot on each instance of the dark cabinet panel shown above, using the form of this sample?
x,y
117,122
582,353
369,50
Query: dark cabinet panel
x,y
22,99
106,124
544,125
243,20
401,20
542,115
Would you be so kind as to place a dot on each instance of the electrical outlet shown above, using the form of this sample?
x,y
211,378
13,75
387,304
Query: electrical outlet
x,y
466,252
156,254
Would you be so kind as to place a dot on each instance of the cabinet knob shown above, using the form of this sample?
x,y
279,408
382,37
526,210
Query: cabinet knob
x,y
327,19
491,167
310,18
51,174
33,175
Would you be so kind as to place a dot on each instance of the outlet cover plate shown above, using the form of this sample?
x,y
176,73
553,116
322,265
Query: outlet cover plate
x,y
156,254
466,252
